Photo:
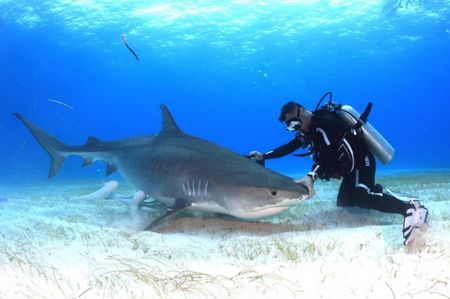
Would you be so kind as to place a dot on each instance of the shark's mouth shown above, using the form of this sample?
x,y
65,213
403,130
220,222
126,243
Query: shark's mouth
x,y
287,202
271,210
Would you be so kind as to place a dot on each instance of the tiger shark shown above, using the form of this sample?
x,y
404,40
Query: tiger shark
x,y
183,172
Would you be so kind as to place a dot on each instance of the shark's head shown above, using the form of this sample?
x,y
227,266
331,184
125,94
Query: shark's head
x,y
248,190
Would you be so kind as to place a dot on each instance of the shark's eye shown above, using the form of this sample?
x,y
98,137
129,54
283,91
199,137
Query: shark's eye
x,y
274,193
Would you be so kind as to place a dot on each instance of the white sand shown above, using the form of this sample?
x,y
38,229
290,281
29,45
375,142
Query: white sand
x,y
51,247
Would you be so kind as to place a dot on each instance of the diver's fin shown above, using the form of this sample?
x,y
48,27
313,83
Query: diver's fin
x,y
409,224
110,168
52,146
170,213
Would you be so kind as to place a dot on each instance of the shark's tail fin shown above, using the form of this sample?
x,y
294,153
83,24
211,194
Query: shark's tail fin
x,y
53,146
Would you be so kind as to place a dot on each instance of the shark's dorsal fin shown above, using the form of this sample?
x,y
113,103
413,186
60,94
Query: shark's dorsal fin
x,y
92,140
169,125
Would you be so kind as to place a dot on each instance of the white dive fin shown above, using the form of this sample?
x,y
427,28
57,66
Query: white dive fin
x,y
409,224
416,216
421,213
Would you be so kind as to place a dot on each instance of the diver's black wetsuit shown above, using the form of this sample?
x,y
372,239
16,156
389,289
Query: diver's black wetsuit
x,y
342,154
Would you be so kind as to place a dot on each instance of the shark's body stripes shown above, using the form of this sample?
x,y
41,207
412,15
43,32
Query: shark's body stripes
x,y
195,188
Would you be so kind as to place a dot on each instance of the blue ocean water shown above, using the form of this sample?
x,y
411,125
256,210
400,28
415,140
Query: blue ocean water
x,y
224,68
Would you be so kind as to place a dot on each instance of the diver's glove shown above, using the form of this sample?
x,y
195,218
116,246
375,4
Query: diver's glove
x,y
255,155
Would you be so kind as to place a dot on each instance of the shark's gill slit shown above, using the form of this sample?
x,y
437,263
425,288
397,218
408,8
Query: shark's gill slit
x,y
189,188
206,188
184,188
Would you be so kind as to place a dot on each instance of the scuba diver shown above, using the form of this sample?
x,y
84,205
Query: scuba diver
x,y
342,145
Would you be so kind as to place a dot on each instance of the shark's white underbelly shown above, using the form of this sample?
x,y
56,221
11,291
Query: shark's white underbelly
x,y
253,214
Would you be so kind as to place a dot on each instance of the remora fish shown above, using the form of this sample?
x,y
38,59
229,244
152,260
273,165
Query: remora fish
x,y
102,193
184,172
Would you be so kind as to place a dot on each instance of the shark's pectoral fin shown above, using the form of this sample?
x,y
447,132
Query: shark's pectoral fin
x,y
180,203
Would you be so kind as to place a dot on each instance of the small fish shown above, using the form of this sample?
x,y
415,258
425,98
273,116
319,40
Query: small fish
x,y
124,38
61,103
3,199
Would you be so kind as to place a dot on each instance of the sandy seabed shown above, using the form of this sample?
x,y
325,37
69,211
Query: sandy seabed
x,y
54,247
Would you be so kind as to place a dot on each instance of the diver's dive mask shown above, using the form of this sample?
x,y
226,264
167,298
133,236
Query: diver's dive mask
x,y
295,123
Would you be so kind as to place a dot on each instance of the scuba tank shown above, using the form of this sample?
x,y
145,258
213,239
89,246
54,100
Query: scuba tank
x,y
376,143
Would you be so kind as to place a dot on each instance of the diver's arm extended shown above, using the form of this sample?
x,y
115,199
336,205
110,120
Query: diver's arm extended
x,y
286,149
